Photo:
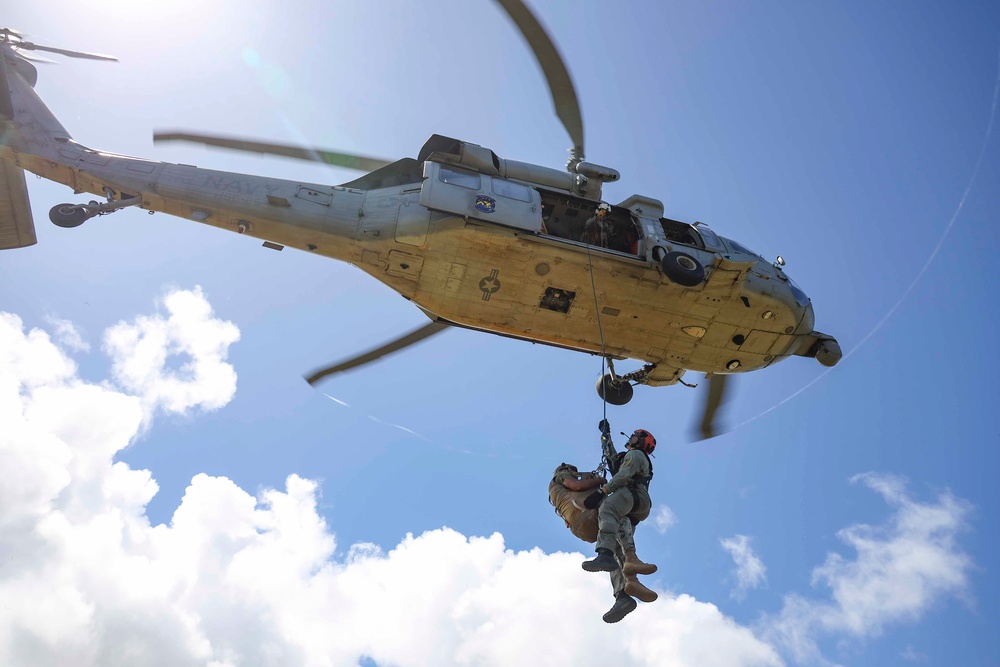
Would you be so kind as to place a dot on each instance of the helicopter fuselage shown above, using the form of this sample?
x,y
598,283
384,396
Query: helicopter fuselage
x,y
477,247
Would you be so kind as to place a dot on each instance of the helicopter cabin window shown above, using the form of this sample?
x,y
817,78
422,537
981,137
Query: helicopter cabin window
x,y
460,177
471,195
511,190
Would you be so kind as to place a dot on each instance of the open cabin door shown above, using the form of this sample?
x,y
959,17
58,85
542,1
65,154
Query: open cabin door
x,y
470,194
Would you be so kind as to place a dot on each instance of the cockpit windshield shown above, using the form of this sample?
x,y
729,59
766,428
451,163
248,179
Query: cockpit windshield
x,y
800,296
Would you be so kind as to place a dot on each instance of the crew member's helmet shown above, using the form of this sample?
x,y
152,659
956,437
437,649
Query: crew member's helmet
x,y
604,207
643,439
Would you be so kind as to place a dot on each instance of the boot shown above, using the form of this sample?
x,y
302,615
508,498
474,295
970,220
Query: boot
x,y
605,562
624,605
634,566
635,588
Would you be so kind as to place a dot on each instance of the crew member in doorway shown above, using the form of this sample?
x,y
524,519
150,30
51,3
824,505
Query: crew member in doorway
x,y
624,502
596,229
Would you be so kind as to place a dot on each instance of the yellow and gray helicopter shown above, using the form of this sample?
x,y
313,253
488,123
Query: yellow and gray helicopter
x,y
472,239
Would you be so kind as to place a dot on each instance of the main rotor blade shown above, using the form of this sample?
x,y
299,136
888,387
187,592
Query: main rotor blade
x,y
72,54
714,397
37,59
409,339
358,162
560,84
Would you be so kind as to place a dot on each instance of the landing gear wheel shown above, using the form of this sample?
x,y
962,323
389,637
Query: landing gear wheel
x,y
682,269
68,215
614,392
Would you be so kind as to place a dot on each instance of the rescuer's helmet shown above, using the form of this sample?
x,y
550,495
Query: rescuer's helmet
x,y
642,439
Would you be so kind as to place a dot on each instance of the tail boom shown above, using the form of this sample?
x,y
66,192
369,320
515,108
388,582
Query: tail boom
x,y
313,217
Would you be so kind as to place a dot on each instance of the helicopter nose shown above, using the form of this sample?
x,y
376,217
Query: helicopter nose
x,y
807,319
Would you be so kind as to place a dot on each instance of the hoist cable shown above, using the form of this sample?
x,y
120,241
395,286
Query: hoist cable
x,y
600,329
600,326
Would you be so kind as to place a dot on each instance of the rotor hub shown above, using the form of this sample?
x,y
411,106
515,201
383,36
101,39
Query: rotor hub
x,y
596,172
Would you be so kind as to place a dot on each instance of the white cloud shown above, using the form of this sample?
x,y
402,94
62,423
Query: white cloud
x,y
31,357
750,572
663,519
142,349
68,334
236,579
901,568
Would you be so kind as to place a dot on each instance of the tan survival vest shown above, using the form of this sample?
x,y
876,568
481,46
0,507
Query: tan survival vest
x,y
569,504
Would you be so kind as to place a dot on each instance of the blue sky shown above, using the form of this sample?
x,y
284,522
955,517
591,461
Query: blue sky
x,y
852,139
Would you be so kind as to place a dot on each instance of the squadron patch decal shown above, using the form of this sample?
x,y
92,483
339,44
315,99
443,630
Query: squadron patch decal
x,y
486,204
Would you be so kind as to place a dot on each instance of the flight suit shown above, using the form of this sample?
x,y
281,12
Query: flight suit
x,y
595,231
626,506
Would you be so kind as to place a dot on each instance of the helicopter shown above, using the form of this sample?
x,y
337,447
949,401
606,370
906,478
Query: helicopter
x,y
473,240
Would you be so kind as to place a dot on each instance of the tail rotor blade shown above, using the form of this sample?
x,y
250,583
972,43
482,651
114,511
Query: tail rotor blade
x,y
333,158
409,339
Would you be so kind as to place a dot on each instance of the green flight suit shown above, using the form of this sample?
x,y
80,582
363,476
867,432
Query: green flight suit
x,y
628,504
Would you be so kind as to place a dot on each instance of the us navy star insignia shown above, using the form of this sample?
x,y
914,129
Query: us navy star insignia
x,y
490,284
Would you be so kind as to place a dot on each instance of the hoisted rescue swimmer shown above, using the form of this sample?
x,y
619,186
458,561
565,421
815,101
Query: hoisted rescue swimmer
x,y
609,514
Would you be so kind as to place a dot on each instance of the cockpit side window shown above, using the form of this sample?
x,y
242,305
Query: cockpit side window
x,y
711,238
740,248
676,231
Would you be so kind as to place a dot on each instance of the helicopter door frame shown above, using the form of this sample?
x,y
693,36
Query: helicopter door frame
x,y
565,217
468,193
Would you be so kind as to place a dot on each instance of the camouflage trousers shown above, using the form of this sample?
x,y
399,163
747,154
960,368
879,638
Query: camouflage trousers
x,y
617,517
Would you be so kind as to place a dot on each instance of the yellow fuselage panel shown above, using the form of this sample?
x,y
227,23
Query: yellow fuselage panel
x,y
511,282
